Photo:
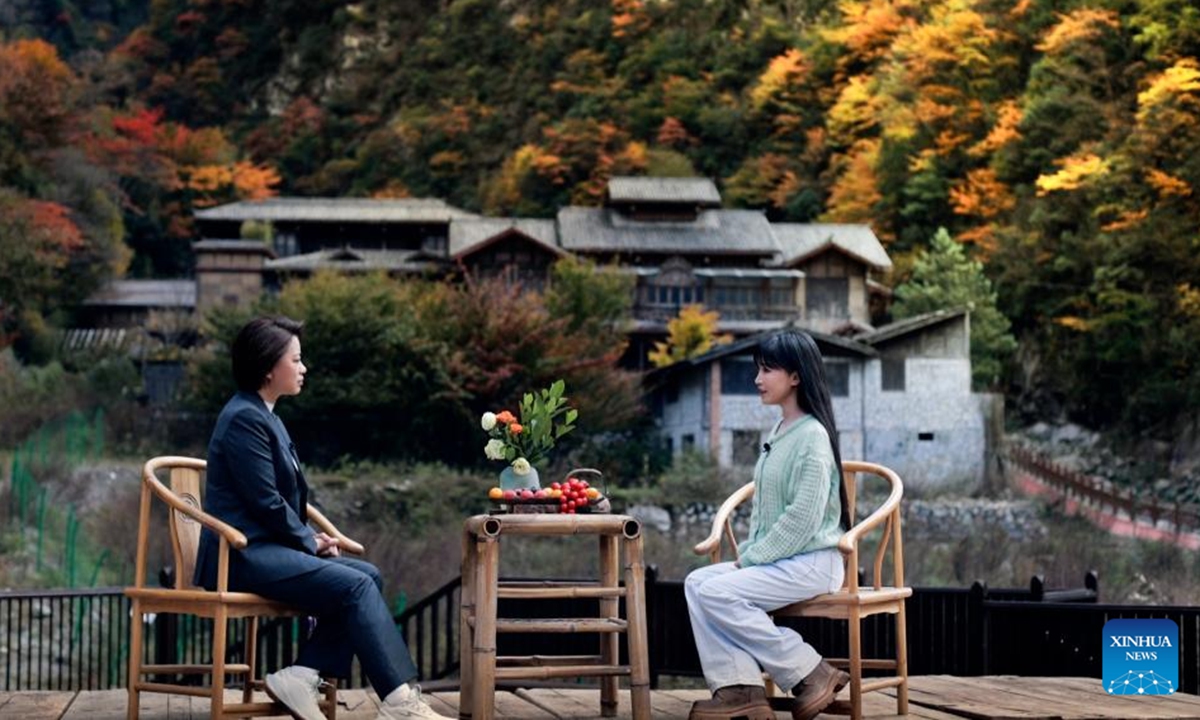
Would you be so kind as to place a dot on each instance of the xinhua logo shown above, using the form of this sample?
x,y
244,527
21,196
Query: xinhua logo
x,y
1141,657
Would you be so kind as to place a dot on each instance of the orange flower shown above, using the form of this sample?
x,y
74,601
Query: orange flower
x,y
505,417
515,428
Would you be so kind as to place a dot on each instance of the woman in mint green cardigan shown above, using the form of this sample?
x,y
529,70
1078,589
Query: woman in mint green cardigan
x,y
797,515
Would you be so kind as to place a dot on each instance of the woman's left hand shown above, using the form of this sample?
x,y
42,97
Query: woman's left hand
x,y
327,545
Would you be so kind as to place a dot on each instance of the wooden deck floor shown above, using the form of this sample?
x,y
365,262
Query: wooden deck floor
x,y
932,697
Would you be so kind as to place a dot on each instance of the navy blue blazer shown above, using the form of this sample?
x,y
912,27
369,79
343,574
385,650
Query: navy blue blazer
x,y
256,485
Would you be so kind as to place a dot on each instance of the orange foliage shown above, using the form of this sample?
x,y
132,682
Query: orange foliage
x,y
867,29
1005,131
57,234
855,194
629,17
35,91
672,133
1079,27
393,189
782,75
1126,220
981,195
1166,184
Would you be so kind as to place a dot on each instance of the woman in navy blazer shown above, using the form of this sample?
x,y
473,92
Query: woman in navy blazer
x,y
255,484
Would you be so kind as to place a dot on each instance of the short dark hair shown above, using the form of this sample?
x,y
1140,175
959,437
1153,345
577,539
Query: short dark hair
x,y
258,346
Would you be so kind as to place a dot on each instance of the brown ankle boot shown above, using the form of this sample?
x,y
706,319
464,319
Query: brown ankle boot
x,y
815,692
734,701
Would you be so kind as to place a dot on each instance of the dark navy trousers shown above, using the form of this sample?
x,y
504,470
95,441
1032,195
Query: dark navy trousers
x,y
346,597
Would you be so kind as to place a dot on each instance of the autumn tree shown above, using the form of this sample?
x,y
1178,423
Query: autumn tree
x,y
691,333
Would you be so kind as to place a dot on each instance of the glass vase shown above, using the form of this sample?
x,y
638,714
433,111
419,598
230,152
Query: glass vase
x,y
510,480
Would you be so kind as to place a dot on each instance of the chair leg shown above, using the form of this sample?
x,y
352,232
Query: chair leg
x,y
251,653
855,665
331,699
135,660
220,622
902,661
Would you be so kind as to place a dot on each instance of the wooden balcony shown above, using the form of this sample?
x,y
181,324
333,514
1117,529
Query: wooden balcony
x,y
931,697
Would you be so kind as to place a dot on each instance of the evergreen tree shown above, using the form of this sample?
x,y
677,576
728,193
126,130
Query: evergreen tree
x,y
944,278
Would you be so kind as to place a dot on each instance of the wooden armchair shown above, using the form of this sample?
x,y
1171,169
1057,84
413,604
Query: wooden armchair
x,y
185,519
851,603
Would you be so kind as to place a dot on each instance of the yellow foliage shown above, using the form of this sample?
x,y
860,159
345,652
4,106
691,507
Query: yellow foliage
x,y
693,332
781,74
1167,185
1178,80
1189,300
1080,26
856,111
954,37
1076,170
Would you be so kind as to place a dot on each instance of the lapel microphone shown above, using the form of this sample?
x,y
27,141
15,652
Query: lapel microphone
x,y
766,447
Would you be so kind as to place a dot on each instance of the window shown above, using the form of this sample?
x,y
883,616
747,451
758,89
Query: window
x,y
827,297
672,393
687,442
745,447
837,375
737,376
925,437
892,375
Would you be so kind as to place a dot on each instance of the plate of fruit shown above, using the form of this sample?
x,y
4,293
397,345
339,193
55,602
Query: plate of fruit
x,y
573,495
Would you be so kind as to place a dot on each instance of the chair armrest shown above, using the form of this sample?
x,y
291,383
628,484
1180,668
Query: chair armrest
x,y
850,539
328,528
713,541
232,535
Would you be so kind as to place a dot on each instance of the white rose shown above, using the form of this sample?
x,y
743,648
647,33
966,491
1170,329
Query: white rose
x,y
488,421
521,466
494,450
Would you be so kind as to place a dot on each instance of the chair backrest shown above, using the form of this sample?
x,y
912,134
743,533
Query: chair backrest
x,y
886,517
185,481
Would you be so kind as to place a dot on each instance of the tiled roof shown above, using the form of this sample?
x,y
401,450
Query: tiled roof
x,y
146,293
235,246
394,210
801,241
352,259
910,325
830,345
469,233
698,191
715,232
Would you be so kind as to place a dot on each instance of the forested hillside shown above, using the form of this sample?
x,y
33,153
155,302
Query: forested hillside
x,y
1058,141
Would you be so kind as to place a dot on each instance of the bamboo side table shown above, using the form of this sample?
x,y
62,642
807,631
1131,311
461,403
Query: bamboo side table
x,y
482,589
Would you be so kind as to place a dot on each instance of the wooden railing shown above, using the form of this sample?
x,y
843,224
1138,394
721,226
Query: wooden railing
x,y
951,631
1104,495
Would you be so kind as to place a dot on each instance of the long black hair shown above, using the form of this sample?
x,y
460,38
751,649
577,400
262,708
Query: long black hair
x,y
794,351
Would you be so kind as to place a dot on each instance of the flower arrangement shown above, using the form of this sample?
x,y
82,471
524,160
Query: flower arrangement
x,y
525,442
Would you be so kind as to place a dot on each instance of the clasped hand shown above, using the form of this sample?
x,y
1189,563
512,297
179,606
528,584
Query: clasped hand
x,y
327,545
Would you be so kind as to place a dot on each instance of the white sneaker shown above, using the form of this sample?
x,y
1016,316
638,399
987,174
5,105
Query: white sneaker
x,y
407,703
297,692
